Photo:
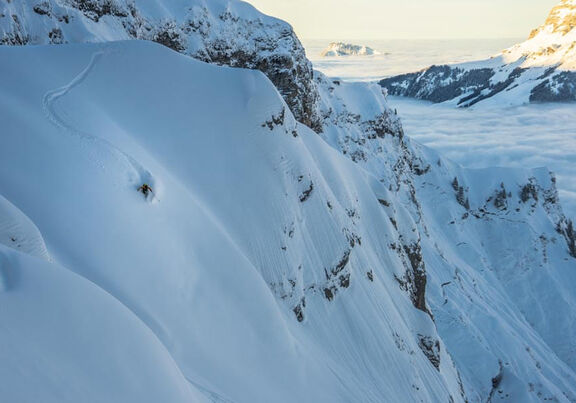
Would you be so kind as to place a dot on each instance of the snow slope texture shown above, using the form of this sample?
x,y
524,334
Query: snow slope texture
x,y
226,32
267,263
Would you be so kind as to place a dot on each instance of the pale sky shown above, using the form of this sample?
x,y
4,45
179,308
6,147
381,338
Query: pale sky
x,y
410,19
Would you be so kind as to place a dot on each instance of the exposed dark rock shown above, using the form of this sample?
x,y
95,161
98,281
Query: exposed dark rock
x,y
462,199
17,36
306,194
337,277
329,294
570,236
299,310
169,36
384,124
56,36
455,184
496,381
528,192
414,280
42,8
96,9
431,349
353,238
276,120
370,275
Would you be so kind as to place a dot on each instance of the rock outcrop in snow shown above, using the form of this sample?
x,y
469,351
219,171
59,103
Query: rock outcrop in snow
x,y
347,49
270,263
541,69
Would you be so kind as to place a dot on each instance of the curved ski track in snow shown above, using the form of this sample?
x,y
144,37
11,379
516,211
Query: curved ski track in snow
x,y
48,104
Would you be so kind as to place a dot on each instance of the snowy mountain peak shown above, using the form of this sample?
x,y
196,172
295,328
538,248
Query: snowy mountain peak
x,y
553,44
540,69
562,19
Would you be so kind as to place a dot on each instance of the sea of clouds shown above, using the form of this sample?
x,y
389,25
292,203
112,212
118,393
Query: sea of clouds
x,y
529,136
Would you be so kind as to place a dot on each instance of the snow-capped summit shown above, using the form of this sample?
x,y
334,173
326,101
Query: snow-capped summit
x,y
553,43
561,20
347,49
540,69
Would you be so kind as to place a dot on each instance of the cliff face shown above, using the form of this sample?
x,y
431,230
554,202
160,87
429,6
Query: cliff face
x,y
541,69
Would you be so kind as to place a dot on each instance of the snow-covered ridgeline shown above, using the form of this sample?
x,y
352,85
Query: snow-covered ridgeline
x,y
269,263
224,32
541,69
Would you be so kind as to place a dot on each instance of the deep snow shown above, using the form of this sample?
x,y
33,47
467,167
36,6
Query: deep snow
x,y
254,219
251,259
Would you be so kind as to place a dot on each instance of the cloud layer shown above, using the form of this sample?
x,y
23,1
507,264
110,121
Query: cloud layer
x,y
528,136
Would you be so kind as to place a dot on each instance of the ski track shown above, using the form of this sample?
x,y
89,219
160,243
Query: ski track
x,y
48,103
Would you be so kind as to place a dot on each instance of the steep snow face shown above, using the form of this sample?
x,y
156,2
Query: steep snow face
x,y
541,69
265,262
226,32
64,339
347,49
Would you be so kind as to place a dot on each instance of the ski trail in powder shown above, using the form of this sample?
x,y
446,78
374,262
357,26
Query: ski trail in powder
x,y
48,103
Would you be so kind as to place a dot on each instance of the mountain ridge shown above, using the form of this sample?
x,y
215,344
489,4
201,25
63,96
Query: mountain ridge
x,y
540,69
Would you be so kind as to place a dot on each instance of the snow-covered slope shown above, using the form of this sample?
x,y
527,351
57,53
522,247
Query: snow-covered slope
x,y
244,253
541,69
261,263
347,49
226,32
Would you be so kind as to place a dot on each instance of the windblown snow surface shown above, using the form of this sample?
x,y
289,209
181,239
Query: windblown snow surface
x,y
262,262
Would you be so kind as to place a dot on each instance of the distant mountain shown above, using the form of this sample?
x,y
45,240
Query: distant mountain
x,y
347,49
541,69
